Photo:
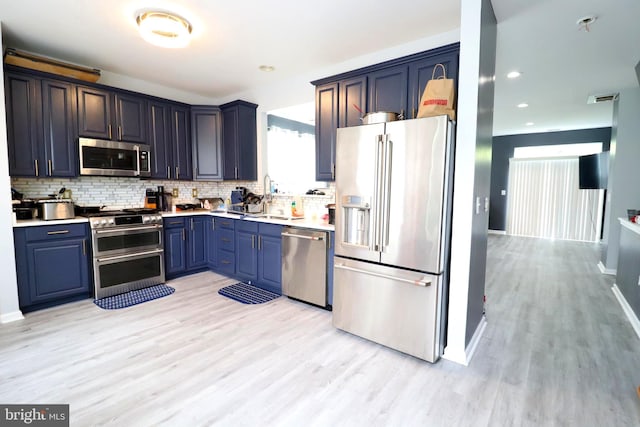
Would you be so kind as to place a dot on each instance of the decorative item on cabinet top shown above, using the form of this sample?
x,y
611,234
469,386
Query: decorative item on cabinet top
x,y
41,63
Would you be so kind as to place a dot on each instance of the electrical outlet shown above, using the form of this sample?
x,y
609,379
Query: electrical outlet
x,y
174,193
194,193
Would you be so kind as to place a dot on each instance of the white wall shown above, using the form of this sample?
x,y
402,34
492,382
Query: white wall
x,y
9,308
624,179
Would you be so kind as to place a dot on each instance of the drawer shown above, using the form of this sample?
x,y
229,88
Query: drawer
x,y
247,226
174,222
226,262
52,232
226,240
225,223
270,230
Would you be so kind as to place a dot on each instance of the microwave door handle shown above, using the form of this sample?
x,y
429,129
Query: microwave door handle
x,y
137,150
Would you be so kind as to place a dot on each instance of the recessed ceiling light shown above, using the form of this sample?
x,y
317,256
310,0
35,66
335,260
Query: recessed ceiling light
x,y
164,29
523,105
267,68
529,124
514,74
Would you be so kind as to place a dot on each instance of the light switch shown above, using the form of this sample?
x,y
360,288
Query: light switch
x,y
477,205
503,192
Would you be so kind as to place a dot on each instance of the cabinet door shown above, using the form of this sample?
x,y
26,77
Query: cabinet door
x,y
23,125
59,124
57,269
326,125
197,242
270,263
206,135
229,138
94,113
131,118
212,246
246,256
174,250
420,72
160,140
181,140
247,150
352,92
388,90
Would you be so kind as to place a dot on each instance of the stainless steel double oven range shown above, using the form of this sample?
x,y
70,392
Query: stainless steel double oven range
x,y
128,250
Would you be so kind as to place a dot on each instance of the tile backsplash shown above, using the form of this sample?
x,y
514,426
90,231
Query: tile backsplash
x,y
120,193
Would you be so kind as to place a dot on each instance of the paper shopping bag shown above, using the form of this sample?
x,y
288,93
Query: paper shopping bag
x,y
437,98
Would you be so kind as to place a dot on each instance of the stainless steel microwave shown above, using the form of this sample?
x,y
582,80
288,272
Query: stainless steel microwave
x,y
114,158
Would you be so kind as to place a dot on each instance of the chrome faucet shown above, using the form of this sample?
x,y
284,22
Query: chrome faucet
x,y
266,193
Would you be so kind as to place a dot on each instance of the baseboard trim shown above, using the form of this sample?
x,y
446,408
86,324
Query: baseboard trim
x,y
605,270
464,357
11,317
500,232
633,319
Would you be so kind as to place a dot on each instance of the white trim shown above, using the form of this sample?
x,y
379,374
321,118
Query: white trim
x,y
633,319
500,232
464,357
11,317
605,270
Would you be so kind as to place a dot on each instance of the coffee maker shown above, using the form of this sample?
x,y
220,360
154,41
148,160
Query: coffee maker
x,y
163,199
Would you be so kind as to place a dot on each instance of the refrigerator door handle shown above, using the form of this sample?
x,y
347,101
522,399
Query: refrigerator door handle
x,y
423,283
386,192
374,231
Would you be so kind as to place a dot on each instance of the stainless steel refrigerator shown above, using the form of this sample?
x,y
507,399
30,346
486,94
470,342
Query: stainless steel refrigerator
x,y
393,204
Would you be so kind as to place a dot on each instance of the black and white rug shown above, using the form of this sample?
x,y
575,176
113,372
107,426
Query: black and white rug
x,y
134,297
247,294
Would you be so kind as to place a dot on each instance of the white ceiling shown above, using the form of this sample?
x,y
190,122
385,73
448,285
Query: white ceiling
x,y
561,66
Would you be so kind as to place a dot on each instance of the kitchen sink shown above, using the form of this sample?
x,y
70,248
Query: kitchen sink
x,y
266,216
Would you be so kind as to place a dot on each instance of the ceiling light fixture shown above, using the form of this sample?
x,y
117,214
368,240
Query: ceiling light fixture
x,y
585,22
529,124
514,74
164,29
267,68
523,105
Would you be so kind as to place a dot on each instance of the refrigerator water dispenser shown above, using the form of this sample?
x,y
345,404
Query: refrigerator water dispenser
x,y
356,214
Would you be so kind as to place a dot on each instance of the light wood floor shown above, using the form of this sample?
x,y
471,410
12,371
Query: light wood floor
x,y
557,351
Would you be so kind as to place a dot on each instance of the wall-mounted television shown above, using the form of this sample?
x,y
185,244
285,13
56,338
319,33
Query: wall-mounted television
x,y
594,170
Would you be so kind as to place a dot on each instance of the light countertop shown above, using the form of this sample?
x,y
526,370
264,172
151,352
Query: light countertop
x,y
630,225
38,222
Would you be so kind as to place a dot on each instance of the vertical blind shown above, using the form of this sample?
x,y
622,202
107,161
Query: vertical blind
x,y
545,201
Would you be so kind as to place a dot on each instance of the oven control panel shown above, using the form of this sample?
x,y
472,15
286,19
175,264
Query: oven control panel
x,y
126,221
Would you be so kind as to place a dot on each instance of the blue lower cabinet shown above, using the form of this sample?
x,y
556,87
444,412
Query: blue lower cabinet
x,y
330,253
197,242
247,251
52,264
225,242
212,244
270,263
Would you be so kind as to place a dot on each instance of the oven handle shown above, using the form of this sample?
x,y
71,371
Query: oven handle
x,y
133,255
118,230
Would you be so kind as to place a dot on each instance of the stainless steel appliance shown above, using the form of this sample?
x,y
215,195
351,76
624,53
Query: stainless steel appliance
x,y
128,250
304,265
114,158
393,204
50,209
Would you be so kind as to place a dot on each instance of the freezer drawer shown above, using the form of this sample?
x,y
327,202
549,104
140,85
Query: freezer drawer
x,y
397,308
304,265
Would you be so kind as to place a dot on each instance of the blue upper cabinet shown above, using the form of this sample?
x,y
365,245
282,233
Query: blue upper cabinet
x,y
206,132
41,126
388,90
111,115
394,86
351,93
326,125
239,141
169,137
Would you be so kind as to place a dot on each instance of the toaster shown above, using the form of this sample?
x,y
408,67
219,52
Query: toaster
x,y
50,209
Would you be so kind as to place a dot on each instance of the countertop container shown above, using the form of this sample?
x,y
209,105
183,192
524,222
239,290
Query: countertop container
x,y
51,209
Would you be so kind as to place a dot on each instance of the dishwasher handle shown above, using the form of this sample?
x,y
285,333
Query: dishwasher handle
x,y
302,236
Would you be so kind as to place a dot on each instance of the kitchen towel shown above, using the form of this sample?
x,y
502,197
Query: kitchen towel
x,y
130,298
247,294
438,96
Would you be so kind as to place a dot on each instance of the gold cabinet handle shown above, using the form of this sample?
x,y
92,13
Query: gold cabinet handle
x,y
168,172
110,135
36,163
50,165
119,133
51,233
177,172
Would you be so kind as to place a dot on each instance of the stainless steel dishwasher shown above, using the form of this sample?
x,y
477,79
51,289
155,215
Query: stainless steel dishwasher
x,y
304,265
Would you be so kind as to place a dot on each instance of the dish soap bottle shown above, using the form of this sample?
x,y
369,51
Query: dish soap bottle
x,y
293,208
